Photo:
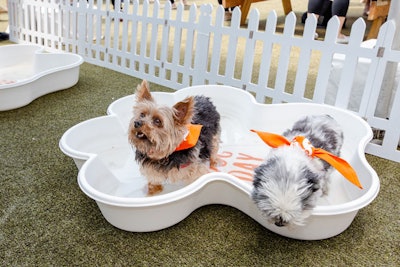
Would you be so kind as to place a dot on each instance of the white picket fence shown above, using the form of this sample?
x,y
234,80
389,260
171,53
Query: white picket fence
x,y
192,47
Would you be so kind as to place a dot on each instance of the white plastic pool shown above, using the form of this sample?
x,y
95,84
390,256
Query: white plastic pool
x,y
109,174
28,72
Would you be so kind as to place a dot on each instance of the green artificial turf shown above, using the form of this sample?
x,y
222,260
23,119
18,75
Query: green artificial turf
x,y
46,220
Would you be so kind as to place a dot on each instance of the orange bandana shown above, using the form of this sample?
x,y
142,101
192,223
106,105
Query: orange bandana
x,y
275,140
191,137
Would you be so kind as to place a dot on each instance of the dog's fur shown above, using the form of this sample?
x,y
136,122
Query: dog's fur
x,y
288,184
157,130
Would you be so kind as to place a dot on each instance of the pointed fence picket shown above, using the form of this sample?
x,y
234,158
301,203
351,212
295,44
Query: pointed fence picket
x,y
193,47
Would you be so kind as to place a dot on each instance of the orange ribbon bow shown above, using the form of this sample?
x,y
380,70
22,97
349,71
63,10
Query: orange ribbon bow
x,y
275,140
191,138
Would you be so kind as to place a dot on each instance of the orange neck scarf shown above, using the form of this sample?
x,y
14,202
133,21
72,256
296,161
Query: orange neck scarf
x,y
191,137
275,140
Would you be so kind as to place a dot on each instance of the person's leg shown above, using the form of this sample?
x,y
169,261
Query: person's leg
x,y
228,15
340,8
315,7
173,5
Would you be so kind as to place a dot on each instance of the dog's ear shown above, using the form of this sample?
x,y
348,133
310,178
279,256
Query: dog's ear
x,y
143,92
184,111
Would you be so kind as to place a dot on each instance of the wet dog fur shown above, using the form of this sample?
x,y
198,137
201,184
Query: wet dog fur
x,y
288,183
156,131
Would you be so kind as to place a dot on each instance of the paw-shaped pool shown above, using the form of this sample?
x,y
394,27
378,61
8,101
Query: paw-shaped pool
x,y
28,72
109,174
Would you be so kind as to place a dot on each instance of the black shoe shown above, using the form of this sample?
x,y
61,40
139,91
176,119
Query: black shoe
x,y
4,36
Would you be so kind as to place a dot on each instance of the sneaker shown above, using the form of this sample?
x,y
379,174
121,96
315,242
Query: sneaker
x,y
316,35
343,39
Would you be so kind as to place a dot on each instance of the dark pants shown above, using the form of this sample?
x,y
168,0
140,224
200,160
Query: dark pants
x,y
339,7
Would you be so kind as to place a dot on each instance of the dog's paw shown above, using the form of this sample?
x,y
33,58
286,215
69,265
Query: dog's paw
x,y
214,162
153,189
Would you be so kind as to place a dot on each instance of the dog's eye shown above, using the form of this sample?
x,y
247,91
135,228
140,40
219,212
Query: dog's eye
x,y
142,115
157,122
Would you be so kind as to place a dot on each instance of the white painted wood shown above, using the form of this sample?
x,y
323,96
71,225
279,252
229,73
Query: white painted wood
x,y
394,12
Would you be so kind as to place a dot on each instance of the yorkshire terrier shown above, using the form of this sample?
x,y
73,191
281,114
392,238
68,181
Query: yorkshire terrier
x,y
167,149
288,183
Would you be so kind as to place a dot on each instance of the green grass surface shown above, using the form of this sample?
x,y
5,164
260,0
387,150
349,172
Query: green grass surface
x,y
45,219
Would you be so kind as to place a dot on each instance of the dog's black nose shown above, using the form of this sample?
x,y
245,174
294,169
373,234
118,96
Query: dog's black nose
x,y
279,222
138,124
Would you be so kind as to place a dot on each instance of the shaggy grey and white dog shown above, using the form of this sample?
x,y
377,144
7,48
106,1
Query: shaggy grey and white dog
x,y
289,182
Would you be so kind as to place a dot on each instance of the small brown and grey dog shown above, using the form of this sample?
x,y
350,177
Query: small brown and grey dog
x,y
288,184
159,135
